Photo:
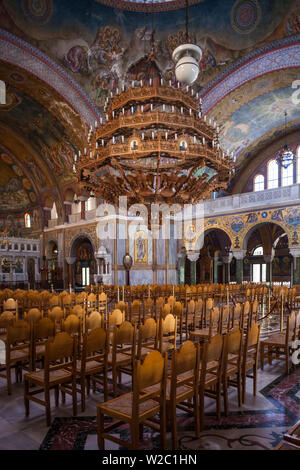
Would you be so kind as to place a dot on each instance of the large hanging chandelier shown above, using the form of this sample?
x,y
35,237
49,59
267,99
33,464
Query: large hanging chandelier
x,y
154,146
286,156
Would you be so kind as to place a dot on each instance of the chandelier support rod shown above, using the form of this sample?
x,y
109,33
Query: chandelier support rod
x,y
187,21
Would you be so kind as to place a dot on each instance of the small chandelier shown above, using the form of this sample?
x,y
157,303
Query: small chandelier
x,y
187,57
286,156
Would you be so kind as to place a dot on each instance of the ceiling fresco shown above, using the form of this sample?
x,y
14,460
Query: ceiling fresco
x,y
259,119
16,191
98,43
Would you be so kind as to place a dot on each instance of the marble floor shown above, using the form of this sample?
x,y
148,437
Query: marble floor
x,y
258,424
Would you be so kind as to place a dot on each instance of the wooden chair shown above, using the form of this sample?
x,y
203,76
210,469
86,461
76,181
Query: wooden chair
x,y
92,365
148,309
17,351
178,313
232,367
279,344
167,333
250,358
159,304
136,312
123,306
183,385
237,316
211,368
91,303
205,334
57,371
56,314
102,304
11,305
6,319
147,338
189,316
72,326
116,318
66,303
225,320
137,407
93,321
42,330
33,315
54,301
122,354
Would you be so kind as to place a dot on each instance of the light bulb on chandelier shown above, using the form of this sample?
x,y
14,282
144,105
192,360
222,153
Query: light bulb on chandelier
x,y
187,57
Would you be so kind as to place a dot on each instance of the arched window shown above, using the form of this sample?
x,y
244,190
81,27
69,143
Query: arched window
x,y
272,174
27,220
287,176
90,204
259,183
259,251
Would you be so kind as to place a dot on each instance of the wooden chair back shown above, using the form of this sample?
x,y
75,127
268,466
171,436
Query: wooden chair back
x,y
147,336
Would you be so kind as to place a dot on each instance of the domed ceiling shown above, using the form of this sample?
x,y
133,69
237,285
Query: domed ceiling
x,y
61,59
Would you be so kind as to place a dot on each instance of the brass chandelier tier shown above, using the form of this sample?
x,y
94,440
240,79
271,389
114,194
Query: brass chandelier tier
x,y
155,146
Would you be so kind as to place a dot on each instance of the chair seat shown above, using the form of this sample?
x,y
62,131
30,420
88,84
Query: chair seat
x,y
166,346
123,405
40,349
19,355
90,365
275,339
55,375
121,358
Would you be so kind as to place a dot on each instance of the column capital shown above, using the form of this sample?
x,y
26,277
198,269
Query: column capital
x,y
193,256
227,259
239,254
269,258
70,260
295,252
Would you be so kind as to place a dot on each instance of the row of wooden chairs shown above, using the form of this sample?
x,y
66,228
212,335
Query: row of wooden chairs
x,y
194,373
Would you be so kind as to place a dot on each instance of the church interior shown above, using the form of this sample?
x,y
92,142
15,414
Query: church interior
x,y
150,225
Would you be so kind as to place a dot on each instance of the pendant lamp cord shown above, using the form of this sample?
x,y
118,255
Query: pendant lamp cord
x,y
187,21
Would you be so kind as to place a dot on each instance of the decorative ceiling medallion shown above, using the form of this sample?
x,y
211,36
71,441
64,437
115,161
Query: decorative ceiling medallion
x,y
39,11
245,16
148,5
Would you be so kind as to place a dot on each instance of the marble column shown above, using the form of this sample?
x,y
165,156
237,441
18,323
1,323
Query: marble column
x,y
239,255
70,261
268,260
295,272
227,261
215,273
193,259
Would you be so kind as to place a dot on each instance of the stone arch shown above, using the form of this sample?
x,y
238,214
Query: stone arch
x,y
18,52
246,236
74,243
281,54
209,228
50,245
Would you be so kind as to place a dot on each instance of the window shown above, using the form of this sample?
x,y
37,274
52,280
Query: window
x,y
259,251
287,176
259,183
90,204
85,276
27,221
272,174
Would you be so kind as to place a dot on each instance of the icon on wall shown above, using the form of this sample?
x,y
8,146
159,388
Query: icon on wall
x,y
141,247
